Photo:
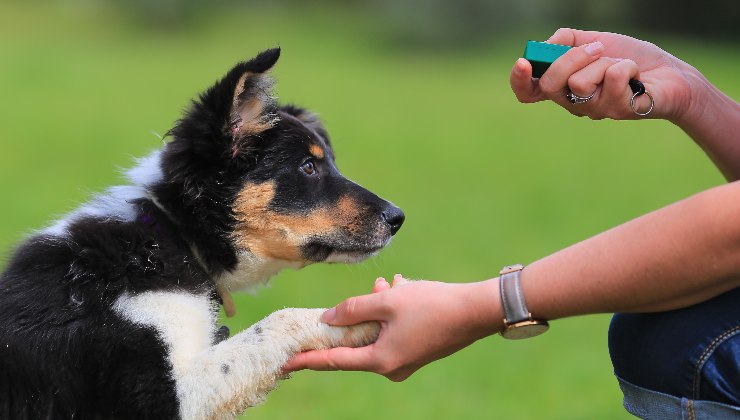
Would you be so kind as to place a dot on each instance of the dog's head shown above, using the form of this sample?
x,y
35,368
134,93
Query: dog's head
x,y
245,176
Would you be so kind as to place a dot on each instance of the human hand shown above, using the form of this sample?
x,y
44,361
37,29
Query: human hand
x,y
421,321
603,63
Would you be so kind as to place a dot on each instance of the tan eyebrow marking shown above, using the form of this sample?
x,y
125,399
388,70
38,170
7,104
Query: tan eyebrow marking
x,y
316,151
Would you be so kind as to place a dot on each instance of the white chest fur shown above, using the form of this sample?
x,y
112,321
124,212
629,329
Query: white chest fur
x,y
220,381
185,322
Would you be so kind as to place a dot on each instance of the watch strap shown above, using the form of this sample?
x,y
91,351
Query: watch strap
x,y
515,310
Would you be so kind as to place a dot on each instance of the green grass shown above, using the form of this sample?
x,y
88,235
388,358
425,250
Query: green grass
x,y
484,180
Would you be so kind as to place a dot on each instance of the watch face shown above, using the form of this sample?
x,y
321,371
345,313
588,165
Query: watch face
x,y
524,329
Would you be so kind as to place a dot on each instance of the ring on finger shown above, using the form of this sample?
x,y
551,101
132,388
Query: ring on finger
x,y
575,99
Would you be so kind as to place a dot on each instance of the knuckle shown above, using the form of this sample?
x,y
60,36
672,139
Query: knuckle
x,y
619,72
329,363
348,308
579,86
385,304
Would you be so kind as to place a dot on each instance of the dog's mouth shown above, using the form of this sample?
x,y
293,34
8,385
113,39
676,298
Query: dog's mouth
x,y
332,251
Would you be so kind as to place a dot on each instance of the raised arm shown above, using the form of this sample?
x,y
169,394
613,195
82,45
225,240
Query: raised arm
x,y
603,63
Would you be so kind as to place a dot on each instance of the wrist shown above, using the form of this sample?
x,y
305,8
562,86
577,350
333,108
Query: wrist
x,y
691,107
711,121
703,102
487,314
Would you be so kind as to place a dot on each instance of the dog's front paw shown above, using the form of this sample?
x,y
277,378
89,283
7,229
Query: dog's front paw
x,y
351,336
304,329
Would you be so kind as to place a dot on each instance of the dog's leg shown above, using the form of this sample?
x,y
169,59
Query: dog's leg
x,y
220,381
239,372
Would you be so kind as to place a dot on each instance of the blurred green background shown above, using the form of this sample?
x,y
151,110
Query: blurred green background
x,y
416,97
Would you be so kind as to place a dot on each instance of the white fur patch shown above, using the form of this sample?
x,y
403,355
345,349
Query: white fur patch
x,y
348,257
116,202
147,171
184,321
221,381
252,271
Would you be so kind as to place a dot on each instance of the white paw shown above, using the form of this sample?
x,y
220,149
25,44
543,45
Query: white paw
x,y
303,328
352,336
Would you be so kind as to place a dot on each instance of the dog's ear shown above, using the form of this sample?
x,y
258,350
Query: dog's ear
x,y
253,106
239,106
308,118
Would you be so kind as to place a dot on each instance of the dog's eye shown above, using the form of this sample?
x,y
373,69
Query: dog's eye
x,y
308,167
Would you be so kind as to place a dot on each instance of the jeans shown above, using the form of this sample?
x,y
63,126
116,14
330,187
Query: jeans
x,y
680,364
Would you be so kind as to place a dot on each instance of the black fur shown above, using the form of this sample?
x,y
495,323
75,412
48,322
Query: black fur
x,y
64,351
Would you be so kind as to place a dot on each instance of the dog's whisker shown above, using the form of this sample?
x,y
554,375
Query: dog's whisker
x,y
122,295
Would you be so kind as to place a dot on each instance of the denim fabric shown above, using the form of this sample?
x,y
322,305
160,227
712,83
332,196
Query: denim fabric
x,y
691,353
651,405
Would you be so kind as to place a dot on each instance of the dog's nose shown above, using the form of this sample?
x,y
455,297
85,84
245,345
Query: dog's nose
x,y
394,217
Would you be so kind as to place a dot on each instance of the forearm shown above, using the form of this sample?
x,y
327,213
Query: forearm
x,y
674,257
713,121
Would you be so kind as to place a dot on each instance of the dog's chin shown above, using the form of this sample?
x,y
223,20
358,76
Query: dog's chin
x,y
344,253
350,257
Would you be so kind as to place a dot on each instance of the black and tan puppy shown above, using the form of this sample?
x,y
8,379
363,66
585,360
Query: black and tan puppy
x,y
111,312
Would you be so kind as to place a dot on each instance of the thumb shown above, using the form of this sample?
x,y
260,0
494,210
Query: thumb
x,y
338,358
355,310
525,89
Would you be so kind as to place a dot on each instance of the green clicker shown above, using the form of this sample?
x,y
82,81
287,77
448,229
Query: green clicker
x,y
542,54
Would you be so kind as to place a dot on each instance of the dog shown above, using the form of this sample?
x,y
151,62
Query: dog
x,y
112,311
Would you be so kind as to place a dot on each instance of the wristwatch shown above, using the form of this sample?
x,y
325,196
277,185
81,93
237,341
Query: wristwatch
x,y
518,322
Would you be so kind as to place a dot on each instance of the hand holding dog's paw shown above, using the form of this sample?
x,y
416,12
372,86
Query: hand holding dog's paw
x,y
422,321
303,330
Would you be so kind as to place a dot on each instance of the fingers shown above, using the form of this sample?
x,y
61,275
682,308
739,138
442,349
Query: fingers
x,y
380,285
338,358
362,308
587,72
398,280
573,37
356,310
616,90
525,88
586,81
554,83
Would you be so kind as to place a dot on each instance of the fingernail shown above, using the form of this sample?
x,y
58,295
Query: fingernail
x,y
519,66
379,280
594,48
329,315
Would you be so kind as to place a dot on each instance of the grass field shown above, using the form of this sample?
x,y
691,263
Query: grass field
x,y
484,180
